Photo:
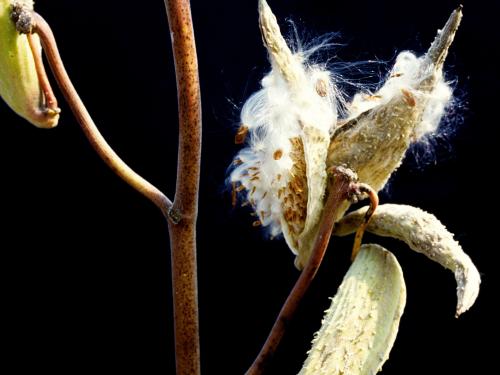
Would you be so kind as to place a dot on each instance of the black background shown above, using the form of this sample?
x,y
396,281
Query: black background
x,y
85,259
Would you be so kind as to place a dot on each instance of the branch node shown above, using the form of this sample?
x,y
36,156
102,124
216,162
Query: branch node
x,y
175,215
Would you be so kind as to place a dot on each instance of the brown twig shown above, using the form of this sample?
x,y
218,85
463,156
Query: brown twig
x,y
88,126
340,189
373,196
50,101
185,207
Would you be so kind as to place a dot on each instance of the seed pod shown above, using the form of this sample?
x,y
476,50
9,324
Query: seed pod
x,y
360,327
287,129
19,83
409,105
425,234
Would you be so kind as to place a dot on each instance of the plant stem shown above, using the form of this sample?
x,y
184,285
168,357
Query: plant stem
x,y
182,212
50,104
373,196
340,188
88,126
185,207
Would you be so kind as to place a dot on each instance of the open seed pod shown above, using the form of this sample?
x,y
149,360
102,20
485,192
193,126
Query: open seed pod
x,y
381,126
287,125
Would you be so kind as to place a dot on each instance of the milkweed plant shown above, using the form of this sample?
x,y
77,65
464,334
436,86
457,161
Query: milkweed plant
x,y
308,152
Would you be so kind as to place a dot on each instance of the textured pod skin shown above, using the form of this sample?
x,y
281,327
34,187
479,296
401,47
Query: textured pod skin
x,y
377,143
381,127
425,234
19,85
360,327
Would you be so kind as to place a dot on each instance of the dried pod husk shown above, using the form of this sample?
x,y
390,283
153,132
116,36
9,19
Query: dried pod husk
x,y
287,124
381,126
19,84
360,327
425,234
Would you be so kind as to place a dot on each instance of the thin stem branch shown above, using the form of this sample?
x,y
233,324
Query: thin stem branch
x,y
50,101
185,207
373,196
88,126
340,189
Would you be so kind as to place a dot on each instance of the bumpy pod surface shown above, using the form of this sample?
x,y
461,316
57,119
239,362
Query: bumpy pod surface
x,y
19,84
360,327
425,234
381,126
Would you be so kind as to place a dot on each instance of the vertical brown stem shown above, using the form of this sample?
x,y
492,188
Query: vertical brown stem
x,y
185,208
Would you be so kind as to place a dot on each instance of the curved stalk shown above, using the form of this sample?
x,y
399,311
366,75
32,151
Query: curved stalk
x,y
88,126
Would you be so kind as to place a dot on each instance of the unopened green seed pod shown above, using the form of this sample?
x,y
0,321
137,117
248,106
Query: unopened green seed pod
x,y
360,327
19,82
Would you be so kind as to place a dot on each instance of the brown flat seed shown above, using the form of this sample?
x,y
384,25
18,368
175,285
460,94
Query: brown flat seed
x,y
278,154
233,194
409,98
373,97
241,135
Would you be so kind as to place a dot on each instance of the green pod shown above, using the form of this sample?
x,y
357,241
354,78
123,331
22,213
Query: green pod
x,y
19,83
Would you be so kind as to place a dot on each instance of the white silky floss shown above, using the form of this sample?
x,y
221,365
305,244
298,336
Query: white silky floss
x,y
289,123
408,73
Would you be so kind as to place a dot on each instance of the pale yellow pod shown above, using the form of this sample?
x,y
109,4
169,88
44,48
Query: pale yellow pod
x,y
19,84
360,327
425,234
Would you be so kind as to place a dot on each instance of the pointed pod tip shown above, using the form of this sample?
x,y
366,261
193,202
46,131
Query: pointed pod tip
x,y
263,6
439,48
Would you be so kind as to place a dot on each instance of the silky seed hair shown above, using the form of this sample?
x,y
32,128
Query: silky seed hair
x,y
409,105
286,127
291,135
